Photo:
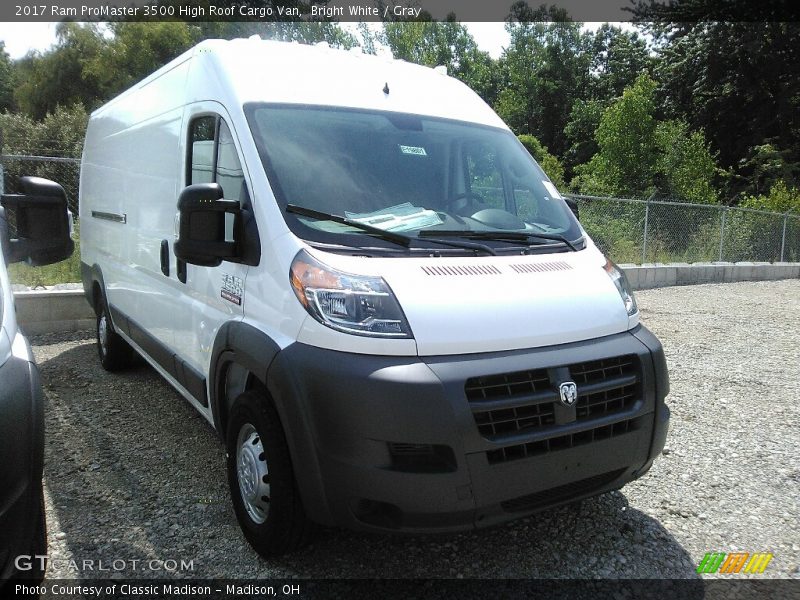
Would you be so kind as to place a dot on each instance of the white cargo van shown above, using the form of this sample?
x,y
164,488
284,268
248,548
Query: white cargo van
x,y
355,272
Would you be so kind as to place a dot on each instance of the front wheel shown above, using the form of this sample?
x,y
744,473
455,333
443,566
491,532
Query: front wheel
x,y
261,478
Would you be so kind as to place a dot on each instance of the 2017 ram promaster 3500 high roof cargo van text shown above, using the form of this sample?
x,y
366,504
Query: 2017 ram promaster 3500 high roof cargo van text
x,y
355,272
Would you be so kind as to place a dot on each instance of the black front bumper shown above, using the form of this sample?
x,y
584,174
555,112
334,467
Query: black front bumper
x,y
392,443
21,460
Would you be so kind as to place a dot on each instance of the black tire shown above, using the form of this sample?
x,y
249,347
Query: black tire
x,y
39,543
284,527
38,548
115,353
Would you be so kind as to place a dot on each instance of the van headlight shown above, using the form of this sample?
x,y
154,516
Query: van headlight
x,y
623,287
357,304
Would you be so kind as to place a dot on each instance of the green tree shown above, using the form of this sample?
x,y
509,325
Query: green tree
x,y
736,79
6,79
781,198
625,164
768,165
369,41
685,168
584,119
617,58
59,77
641,156
545,68
549,163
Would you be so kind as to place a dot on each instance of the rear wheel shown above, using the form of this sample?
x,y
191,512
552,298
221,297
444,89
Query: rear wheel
x,y
114,352
261,478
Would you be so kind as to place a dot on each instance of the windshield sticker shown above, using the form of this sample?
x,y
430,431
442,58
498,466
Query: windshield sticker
x,y
415,150
551,189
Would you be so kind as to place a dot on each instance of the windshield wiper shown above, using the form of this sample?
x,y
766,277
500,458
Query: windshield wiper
x,y
501,236
402,240
397,238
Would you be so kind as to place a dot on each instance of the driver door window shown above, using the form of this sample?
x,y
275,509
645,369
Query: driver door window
x,y
214,159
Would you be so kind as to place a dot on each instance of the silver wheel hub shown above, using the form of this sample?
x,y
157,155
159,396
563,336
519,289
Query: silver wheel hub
x,y
253,473
102,334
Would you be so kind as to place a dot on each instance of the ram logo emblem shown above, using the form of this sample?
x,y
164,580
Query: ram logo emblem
x,y
568,392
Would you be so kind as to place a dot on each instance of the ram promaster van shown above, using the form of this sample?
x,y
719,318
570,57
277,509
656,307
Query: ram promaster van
x,y
356,273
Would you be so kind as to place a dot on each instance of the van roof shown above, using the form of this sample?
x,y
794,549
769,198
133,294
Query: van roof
x,y
253,70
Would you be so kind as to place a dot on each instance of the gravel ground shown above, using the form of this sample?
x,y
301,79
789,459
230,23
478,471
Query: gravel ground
x,y
133,472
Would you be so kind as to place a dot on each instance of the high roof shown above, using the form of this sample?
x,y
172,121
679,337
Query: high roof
x,y
298,73
253,70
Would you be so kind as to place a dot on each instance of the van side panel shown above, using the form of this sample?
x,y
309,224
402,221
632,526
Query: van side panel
x,y
129,187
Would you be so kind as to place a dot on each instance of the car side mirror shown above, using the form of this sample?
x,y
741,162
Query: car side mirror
x,y
210,227
573,206
35,225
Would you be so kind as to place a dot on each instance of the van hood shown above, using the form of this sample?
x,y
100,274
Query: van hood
x,y
487,304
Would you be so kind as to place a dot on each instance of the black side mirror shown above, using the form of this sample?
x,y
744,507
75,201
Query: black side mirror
x,y
35,225
573,206
203,238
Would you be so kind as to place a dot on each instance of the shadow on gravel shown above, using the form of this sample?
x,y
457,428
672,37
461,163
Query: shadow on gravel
x,y
135,474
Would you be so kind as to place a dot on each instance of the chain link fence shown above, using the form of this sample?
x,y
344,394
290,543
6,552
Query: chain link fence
x,y
657,231
629,230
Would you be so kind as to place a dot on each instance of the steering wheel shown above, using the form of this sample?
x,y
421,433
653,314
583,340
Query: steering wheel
x,y
467,204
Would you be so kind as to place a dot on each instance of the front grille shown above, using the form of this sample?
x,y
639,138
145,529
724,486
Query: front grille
x,y
563,442
509,404
609,400
560,493
505,404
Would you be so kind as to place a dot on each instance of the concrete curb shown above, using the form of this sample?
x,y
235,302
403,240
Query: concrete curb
x,y
51,311
647,276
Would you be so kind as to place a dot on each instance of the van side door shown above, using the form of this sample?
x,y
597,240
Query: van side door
x,y
211,296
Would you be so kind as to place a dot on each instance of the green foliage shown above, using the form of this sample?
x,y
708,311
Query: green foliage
x,y
369,42
626,163
584,118
685,166
544,69
640,156
768,165
60,133
549,163
781,198
60,77
737,81
6,79
618,58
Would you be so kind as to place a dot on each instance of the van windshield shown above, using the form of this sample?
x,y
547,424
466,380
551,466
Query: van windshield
x,y
405,174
